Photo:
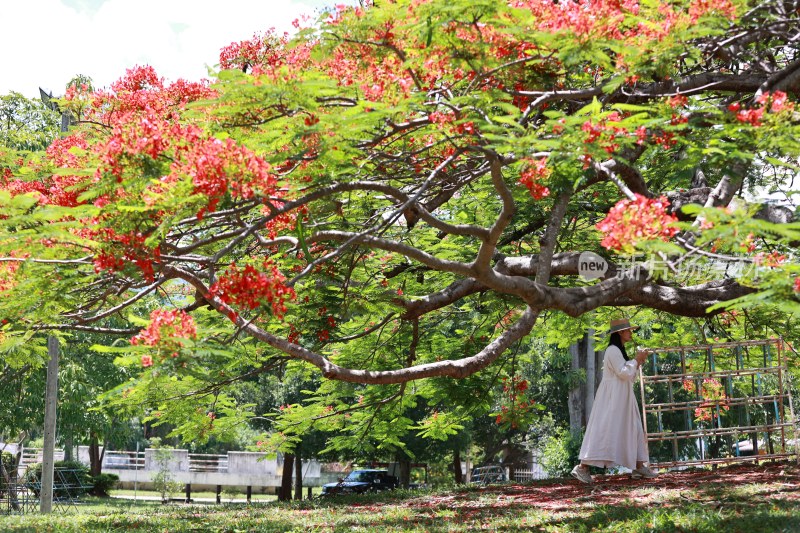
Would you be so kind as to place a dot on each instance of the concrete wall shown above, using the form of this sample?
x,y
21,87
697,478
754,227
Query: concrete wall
x,y
243,469
204,472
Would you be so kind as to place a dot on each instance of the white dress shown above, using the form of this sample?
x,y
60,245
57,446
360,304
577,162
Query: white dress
x,y
614,434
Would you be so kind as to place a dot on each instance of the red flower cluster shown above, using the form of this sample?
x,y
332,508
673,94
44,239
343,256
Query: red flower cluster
x,y
699,8
767,103
7,272
63,151
729,318
62,190
678,100
142,114
250,288
605,132
771,259
750,116
120,248
632,221
214,166
284,221
516,409
262,50
713,395
139,90
217,167
164,331
267,53
532,176
294,334
439,117
797,284
602,19
776,101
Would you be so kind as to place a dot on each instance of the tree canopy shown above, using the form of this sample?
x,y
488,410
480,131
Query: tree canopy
x,y
401,190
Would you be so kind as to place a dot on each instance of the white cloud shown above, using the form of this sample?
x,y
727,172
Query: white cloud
x,y
46,43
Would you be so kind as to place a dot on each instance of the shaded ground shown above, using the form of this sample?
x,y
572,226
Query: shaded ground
x,y
695,485
747,497
744,498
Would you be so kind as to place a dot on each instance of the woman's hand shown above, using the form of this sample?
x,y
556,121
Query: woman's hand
x,y
641,357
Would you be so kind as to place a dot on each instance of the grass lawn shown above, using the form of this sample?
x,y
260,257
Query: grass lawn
x,y
746,499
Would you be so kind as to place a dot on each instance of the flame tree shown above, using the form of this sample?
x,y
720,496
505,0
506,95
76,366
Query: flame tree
x,y
401,191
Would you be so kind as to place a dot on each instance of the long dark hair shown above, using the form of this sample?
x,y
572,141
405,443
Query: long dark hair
x,y
616,340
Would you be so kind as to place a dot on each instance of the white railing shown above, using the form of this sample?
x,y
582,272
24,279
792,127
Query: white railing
x,y
31,456
120,460
522,474
204,462
532,471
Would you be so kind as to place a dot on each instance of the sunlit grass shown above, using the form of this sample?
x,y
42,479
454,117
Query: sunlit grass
x,y
714,506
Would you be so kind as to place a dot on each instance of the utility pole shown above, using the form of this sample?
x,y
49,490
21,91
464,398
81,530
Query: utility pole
x,y
48,453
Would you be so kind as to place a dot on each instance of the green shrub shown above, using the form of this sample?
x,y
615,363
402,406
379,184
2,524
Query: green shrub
x,y
8,461
103,483
560,452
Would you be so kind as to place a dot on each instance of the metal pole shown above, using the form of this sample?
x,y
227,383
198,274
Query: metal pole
x,y
136,475
51,399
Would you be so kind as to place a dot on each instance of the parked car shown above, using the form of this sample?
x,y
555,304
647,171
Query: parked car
x,y
361,481
484,475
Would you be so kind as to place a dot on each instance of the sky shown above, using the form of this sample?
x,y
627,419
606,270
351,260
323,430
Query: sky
x,y
45,43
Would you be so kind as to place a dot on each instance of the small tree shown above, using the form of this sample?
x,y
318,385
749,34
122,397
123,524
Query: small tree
x,y
163,481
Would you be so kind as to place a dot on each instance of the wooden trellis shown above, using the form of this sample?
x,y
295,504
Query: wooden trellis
x,y
718,403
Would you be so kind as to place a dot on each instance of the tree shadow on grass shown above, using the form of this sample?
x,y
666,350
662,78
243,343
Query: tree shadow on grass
x,y
696,517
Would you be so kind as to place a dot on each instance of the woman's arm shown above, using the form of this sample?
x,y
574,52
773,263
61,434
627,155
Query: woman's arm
x,y
625,370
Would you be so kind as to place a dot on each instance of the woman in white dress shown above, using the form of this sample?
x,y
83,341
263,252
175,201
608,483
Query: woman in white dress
x,y
614,434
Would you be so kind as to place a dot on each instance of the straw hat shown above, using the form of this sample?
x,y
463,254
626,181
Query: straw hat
x,y
620,325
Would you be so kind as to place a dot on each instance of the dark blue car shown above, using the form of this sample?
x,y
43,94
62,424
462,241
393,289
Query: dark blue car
x,y
361,481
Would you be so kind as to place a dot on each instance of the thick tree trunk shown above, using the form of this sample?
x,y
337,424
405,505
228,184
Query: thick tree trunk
x,y
298,475
577,394
405,472
581,397
68,448
95,459
459,475
285,492
591,372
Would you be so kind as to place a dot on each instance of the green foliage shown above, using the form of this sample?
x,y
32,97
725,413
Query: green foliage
x,y
8,461
26,124
560,452
104,483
